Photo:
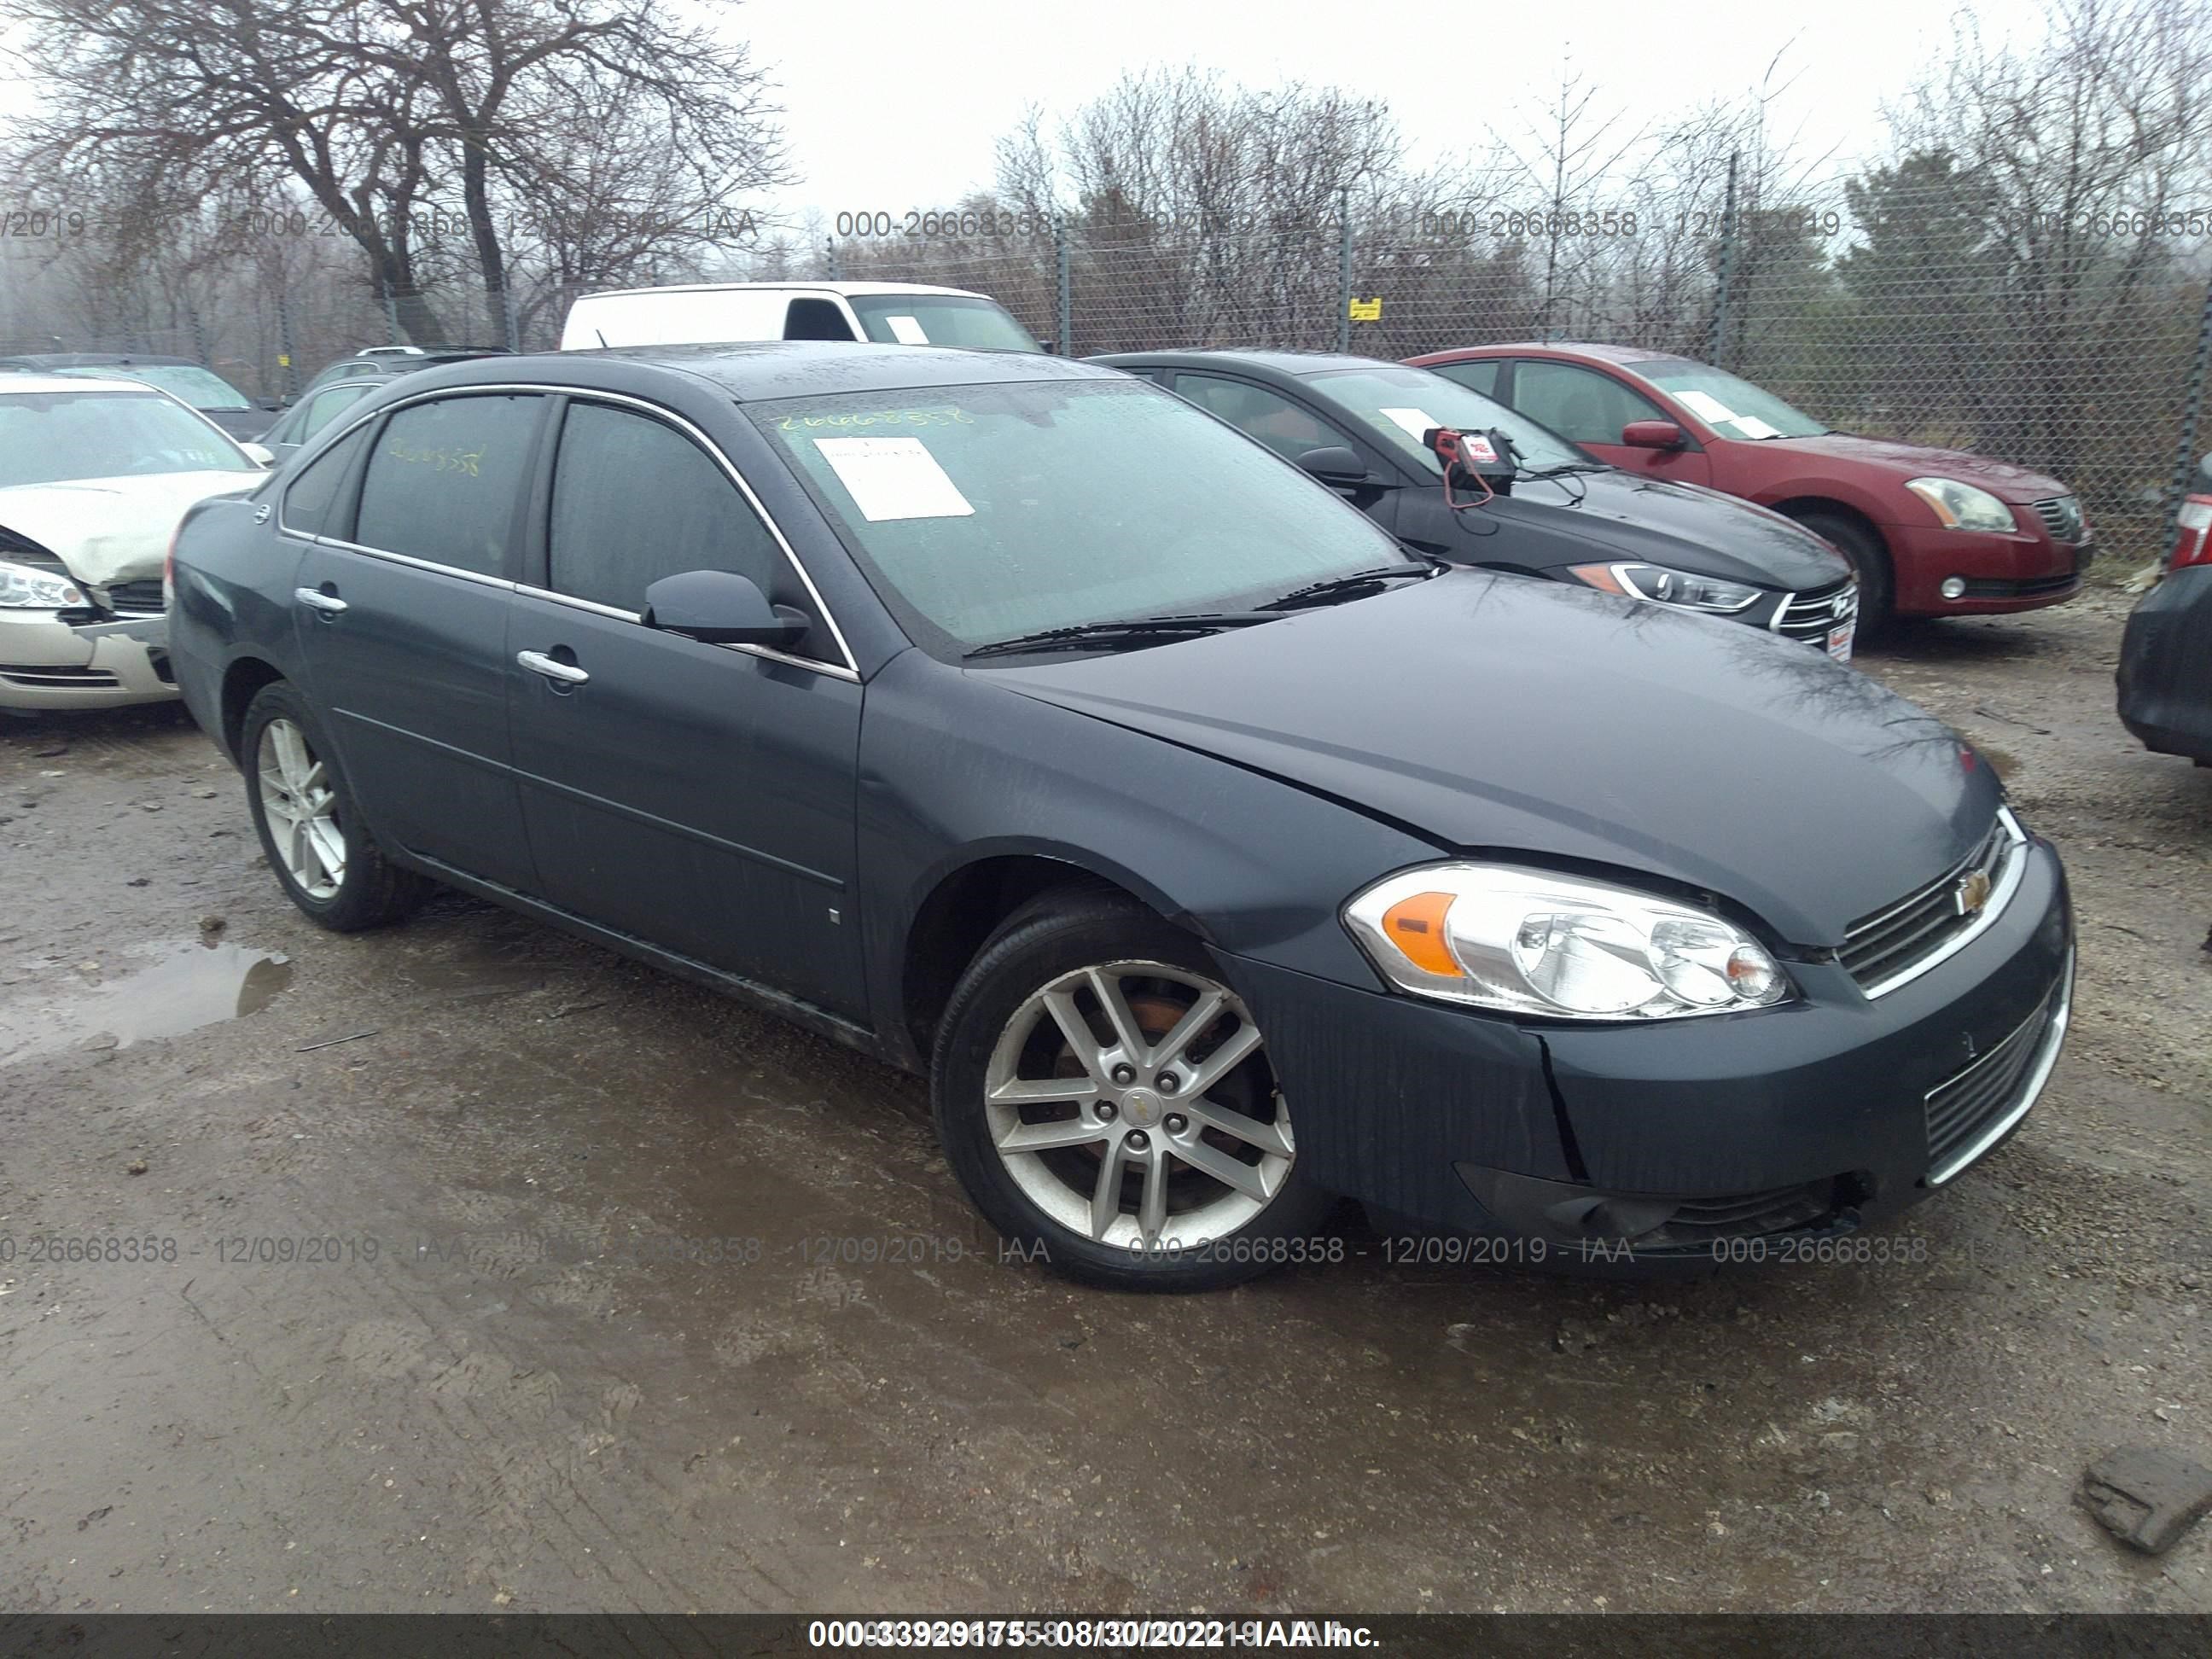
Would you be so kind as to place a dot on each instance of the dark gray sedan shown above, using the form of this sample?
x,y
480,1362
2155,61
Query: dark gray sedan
x,y
1018,723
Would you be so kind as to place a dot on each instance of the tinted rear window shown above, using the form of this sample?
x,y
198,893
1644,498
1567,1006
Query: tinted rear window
x,y
445,479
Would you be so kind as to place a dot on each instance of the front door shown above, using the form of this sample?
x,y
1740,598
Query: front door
x,y
1591,408
697,796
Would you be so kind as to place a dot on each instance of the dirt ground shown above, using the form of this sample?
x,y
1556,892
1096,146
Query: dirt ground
x,y
390,1304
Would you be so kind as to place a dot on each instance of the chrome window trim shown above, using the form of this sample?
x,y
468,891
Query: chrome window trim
x,y
2046,1060
2011,871
414,563
849,669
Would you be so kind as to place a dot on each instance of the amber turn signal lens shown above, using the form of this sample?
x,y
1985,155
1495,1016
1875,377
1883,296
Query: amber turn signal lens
x,y
1416,927
1601,576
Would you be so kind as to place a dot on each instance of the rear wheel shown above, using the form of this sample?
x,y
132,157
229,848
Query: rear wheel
x,y
1868,559
1108,1104
324,856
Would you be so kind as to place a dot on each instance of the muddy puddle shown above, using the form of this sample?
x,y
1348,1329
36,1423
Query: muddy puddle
x,y
186,984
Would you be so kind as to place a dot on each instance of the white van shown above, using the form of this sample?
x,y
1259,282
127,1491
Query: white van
x,y
698,313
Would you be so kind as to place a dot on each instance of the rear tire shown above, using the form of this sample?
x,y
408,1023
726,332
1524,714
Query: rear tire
x,y
1869,561
1106,1101
325,860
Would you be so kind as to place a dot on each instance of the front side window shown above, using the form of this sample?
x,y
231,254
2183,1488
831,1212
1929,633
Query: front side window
x,y
634,499
1256,412
979,513
445,477
1480,375
1397,405
1584,405
57,437
945,320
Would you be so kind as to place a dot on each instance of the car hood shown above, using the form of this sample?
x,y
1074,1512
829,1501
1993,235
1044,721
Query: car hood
x,y
1682,526
1492,712
2007,483
113,529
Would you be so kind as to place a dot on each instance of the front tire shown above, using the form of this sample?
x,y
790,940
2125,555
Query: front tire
x,y
1106,1101
325,860
1869,561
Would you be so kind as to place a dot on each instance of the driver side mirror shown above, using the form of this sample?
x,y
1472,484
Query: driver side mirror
x,y
1333,464
1653,435
260,453
720,607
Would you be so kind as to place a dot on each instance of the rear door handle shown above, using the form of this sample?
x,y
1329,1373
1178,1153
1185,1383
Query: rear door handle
x,y
539,663
329,603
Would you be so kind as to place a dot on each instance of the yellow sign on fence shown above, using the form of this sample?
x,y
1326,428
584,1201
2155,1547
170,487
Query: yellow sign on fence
x,y
1367,311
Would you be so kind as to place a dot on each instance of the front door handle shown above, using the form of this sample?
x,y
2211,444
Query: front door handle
x,y
329,603
539,663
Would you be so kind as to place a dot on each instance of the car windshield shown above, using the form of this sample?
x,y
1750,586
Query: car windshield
x,y
201,388
1397,405
981,512
945,320
1732,407
55,437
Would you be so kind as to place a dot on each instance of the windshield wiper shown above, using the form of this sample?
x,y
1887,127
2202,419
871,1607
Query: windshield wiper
x,y
1353,582
1129,631
1565,467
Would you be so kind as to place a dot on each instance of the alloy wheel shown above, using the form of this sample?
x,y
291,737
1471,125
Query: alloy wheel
x,y
1132,1102
302,807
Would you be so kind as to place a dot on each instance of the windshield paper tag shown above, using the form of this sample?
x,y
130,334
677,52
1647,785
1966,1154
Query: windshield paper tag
x,y
1706,406
906,330
893,479
1752,427
1412,422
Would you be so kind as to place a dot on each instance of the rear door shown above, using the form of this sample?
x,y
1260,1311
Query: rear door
x,y
697,796
401,609
1591,408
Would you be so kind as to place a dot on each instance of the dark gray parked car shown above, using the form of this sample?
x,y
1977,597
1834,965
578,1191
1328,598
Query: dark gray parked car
x,y
1018,723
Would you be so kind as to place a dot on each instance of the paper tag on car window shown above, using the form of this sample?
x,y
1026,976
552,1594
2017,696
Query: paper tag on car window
x,y
1412,421
906,330
1752,427
893,478
1707,407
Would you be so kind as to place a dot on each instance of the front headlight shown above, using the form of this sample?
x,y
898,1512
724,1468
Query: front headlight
x,y
1684,589
1962,507
1527,941
24,588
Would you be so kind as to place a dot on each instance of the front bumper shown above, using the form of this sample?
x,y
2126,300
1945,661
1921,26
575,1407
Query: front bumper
x,y
45,662
2022,570
1672,1138
2166,666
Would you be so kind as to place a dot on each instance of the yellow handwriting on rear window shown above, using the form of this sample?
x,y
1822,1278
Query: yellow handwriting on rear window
x,y
945,415
466,461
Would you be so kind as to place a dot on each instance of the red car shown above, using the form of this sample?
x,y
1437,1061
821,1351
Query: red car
x,y
1931,532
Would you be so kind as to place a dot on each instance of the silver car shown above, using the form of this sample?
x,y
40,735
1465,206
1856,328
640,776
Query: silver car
x,y
94,475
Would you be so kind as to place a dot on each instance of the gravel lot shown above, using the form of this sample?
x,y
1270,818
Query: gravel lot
x,y
499,1388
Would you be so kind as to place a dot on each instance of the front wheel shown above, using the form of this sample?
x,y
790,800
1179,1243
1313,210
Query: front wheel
x,y
1868,559
324,856
1108,1104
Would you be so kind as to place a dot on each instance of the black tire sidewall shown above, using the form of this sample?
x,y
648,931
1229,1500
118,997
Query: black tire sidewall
x,y
1868,562
1034,947
349,908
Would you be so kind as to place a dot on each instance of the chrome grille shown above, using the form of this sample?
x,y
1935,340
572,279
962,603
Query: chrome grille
x,y
1807,617
1884,950
2061,517
1971,1110
134,598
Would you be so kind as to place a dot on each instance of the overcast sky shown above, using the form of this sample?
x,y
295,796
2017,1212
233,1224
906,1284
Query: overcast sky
x,y
894,105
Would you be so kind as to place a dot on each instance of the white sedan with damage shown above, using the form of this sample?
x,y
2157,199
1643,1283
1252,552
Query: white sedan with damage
x,y
95,476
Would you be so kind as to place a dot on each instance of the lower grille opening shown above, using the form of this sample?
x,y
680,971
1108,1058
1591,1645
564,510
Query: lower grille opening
x,y
1964,1108
1697,1223
1989,588
41,674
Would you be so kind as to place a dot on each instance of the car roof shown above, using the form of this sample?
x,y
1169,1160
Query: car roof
x,y
1296,364
762,370
848,290
97,359
20,383
1601,352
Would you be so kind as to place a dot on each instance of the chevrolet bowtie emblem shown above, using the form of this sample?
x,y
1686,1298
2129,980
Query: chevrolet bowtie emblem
x,y
1971,893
